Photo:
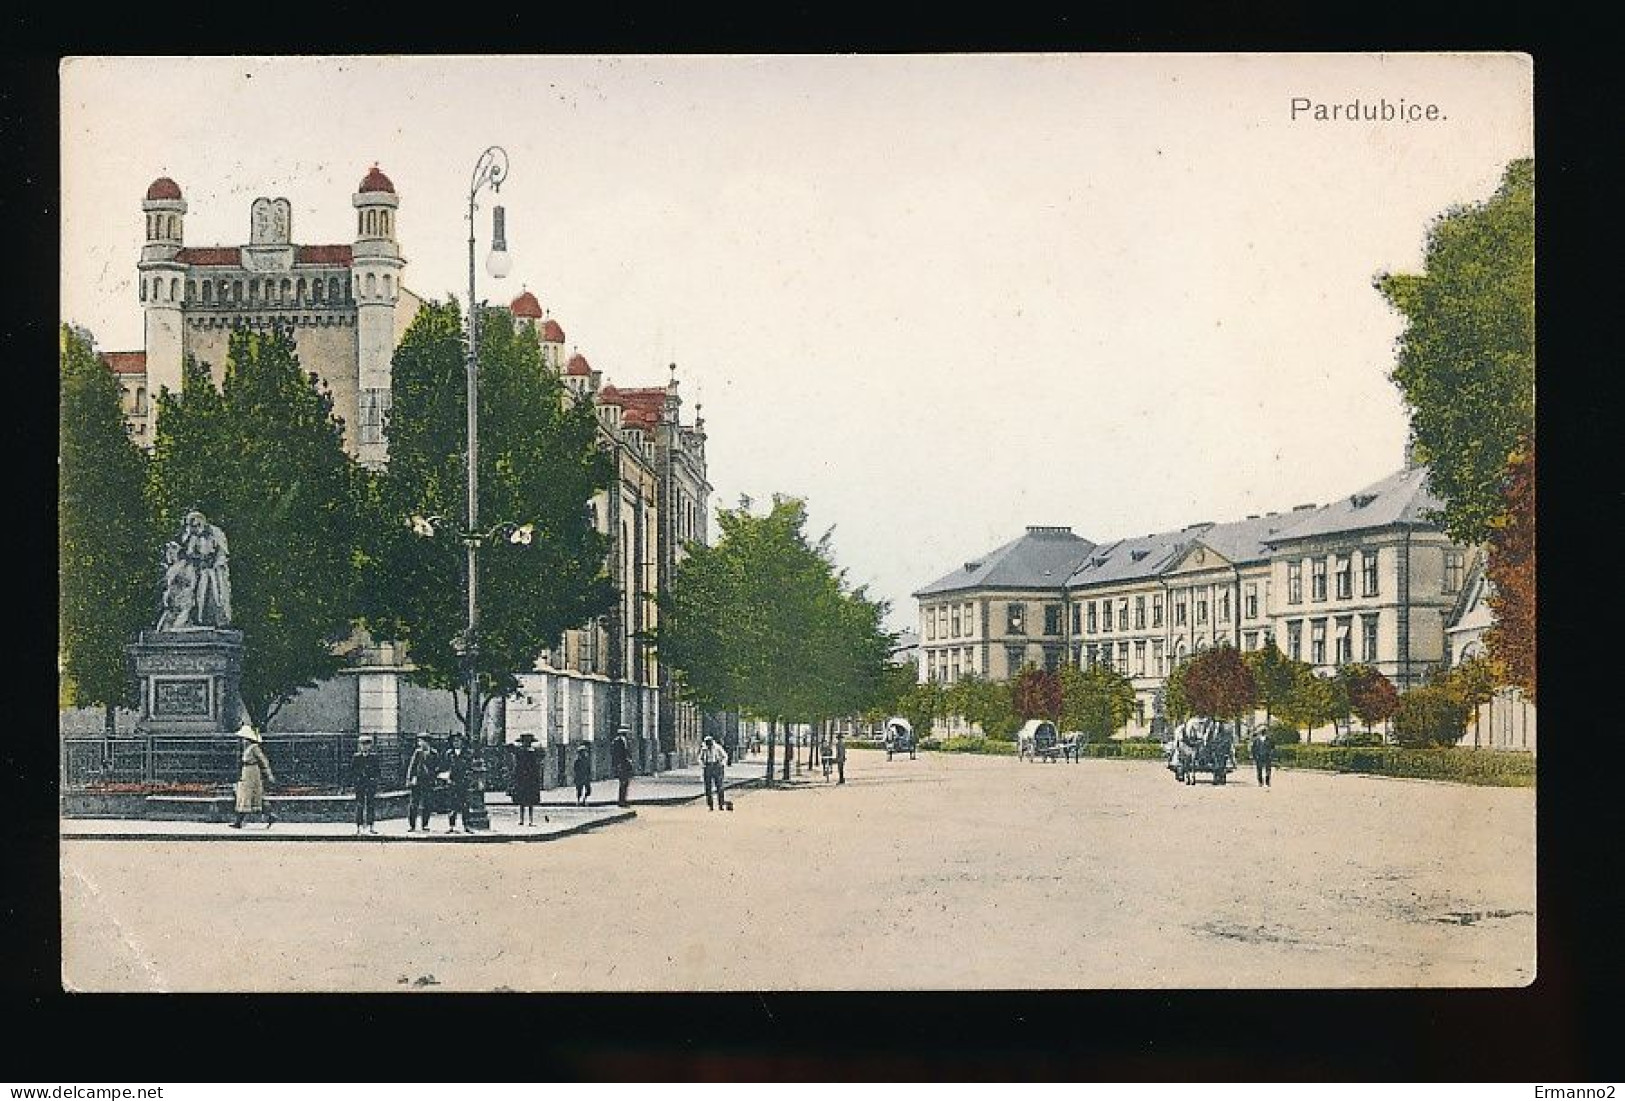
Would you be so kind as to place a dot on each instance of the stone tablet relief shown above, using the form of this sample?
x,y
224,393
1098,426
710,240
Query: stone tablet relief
x,y
270,222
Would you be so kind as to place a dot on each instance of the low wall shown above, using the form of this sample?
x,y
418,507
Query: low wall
x,y
222,807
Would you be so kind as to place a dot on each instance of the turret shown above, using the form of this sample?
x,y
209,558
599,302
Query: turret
x,y
161,288
375,274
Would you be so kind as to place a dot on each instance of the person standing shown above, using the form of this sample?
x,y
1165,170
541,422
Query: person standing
x,y
620,757
713,766
1263,751
364,778
458,770
256,775
840,758
526,789
420,773
581,772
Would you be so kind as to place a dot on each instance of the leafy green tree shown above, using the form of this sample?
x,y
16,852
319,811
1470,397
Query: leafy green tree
x,y
1429,715
1511,570
1466,362
1313,701
263,457
540,465
1175,699
1372,696
107,541
923,705
1096,701
983,703
1274,676
762,622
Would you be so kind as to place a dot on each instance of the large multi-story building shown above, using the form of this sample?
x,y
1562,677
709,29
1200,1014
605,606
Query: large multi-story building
x,y
1366,578
348,309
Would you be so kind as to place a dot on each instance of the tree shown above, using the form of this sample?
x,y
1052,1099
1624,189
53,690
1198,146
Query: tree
x,y
923,705
1469,684
983,703
1036,694
1429,715
1175,700
1274,676
540,465
1372,696
263,457
1218,684
107,541
1096,701
1313,701
1466,360
1511,569
762,622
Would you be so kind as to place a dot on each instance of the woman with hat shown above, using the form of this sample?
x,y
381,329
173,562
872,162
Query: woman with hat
x,y
251,783
526,788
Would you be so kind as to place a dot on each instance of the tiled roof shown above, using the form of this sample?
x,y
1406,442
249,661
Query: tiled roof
x,y
551,332
211,256
1243,540
375,180
164,188
1042,558
323,254
525,305
641,406
1401,499
1132,559
578,365
126,363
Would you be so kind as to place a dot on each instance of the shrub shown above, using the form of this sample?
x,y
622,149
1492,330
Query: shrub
x,y
1429,715
993,747
1136,750
1492,768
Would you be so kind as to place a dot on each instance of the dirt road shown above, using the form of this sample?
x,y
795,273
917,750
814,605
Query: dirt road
x,y
945,872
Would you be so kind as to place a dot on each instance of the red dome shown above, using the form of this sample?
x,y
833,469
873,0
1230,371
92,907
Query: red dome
x,y
376,181
164,188
578,365
526,306
551,332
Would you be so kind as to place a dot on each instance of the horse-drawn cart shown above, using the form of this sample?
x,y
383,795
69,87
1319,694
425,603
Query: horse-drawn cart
x,y
1202,745
900,738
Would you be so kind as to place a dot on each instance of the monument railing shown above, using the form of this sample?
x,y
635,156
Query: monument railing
x,y
320,761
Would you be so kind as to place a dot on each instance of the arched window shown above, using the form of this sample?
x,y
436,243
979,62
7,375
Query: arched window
x,y
208,292
333,289
316,289
150,233
140,399
389,286
175,289
300,291
360,222
225,291
372,284
372,222
174,225
142,284
237,290
191,290
287,289
384,217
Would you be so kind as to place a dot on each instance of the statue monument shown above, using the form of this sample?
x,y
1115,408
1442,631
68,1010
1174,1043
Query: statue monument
x,y
189,665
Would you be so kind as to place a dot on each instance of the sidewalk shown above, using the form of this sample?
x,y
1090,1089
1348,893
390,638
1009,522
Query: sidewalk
x,y
678,785
552,823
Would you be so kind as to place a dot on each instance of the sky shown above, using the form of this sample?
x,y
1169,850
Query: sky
x,y
939,297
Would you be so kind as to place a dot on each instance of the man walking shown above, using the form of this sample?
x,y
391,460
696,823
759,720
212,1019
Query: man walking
x,y
620,756
420,772
1263,751
840,758
713,765
364,778
459,766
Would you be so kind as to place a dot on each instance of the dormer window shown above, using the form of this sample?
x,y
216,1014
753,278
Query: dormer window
x,y
1138,555
1360,500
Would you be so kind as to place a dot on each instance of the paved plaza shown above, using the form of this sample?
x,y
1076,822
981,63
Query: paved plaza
x,y
944,872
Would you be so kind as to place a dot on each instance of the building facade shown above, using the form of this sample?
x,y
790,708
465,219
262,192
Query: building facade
x,y
1368,578
348,309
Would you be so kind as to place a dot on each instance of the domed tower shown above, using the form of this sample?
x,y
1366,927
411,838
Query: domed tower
x,y
162,282
375,274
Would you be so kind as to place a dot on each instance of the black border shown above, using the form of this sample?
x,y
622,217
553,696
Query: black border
x,y
1551,1031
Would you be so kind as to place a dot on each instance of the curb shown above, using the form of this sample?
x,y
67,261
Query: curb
x,y
490,837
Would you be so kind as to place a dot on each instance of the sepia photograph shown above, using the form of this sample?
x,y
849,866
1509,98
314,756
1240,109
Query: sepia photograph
x,y
910,522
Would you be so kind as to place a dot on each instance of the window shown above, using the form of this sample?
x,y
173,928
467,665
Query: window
x,y
1224,606
1201,610
1139,712
1345,577
1052,619
1368,638
1345,639
1139,658
953,665
1012,660
1156,657
970,620
930,665
1122,614
374,412
928,622
1294,582
1179,610
1077,619
1317,642
1052,658
970,660
1090,618
1156,611
1013,624
1249,640
1455,564
1105,615
1090,653
954,622
1122,658
1139,613
1317,581
942,621
1250,601
1368,573
1294,639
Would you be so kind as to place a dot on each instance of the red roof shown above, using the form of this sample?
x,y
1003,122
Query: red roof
x,y
526,306
126,363
641,406
323,254
164,188
578,365
375,180
214,256
551,332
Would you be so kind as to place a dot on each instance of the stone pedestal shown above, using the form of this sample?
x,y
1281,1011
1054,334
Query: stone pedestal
x,y
188,681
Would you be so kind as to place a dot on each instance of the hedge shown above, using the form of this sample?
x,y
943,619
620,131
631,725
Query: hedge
x,y
1484,767
993,747
1132,751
